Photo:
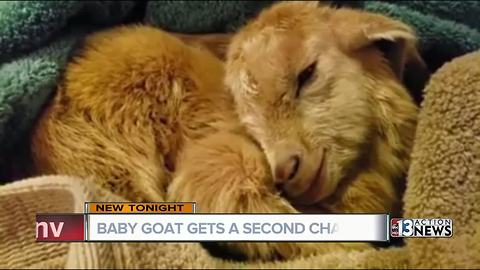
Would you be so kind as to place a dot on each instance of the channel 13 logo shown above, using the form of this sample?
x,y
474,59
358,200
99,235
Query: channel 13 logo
x,y
422,227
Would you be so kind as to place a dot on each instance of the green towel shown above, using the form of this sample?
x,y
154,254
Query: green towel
x,y
37,37
202,16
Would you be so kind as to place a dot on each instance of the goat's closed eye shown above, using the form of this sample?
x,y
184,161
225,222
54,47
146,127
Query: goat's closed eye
x,y
304,76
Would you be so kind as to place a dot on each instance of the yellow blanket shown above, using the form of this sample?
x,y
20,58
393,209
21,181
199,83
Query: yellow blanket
x,y
443,182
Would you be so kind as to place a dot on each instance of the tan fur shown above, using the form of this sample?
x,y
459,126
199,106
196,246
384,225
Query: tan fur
x,y
355,109
227,173
139,107
126,106
215,43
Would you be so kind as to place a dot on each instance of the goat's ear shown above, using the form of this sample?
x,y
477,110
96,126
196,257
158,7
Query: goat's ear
x,y
397,42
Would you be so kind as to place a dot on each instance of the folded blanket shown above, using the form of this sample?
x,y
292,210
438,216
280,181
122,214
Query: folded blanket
x,y
444,177
21,200
37,37
444,181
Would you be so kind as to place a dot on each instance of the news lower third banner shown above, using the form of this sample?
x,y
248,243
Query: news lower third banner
x,y
178,222
236,227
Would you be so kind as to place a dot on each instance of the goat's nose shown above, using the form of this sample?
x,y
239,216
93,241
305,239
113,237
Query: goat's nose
x,y
287,168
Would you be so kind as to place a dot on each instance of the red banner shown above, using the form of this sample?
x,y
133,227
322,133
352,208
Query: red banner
x,y
60,227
